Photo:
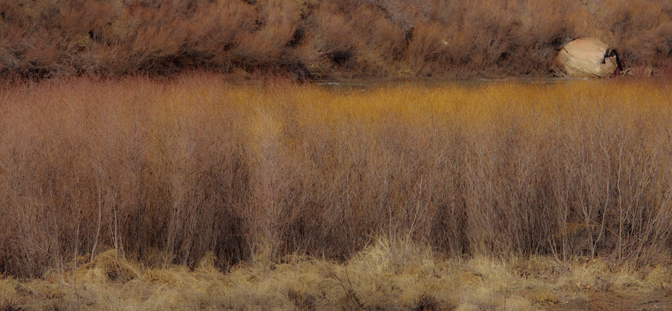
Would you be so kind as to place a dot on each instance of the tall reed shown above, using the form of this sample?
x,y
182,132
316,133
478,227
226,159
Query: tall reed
x,y
164,172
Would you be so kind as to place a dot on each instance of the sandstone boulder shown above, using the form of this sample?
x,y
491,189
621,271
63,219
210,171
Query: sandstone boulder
x,y
588,58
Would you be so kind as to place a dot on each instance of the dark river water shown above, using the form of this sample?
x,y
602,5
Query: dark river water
x,y
348,85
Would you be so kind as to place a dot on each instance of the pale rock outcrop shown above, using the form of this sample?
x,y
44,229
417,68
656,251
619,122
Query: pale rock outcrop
x,y
588,58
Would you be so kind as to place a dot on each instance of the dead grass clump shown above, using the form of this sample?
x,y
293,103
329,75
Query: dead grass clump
x,y
108,266
307,283
396,257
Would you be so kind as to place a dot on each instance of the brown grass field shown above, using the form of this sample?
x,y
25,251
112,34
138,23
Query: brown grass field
x,y
194,193
316,39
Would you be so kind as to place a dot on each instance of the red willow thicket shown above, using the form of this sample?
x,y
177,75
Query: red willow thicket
x,y
311,39
165,172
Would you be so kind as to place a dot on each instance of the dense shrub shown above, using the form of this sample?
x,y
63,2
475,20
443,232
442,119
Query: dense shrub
x,y
318,38
165,172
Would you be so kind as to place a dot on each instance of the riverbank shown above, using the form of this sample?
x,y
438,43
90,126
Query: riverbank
x,y
308,40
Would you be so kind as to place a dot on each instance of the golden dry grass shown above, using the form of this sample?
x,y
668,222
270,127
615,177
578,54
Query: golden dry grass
x,y
384,276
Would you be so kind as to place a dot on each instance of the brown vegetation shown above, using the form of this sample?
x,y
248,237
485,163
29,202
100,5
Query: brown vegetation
x,y
386,275
164,173
311,39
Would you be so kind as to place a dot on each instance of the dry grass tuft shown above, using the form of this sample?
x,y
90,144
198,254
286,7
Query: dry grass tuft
x,y
365,282
107,266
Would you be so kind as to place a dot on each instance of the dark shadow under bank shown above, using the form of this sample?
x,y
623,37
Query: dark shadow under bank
x,y
350,85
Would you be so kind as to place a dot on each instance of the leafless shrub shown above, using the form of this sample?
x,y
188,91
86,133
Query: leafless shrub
x,y
314,39
165,172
